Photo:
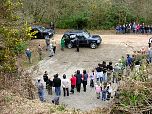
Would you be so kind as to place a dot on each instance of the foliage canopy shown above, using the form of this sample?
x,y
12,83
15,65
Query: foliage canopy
x,y
92,14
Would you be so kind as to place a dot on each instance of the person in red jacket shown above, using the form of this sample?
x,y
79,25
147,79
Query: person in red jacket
x,y
73,83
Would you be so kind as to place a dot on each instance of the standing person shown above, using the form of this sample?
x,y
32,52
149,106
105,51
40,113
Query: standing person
x,y
40,88
99,73
128,64
109,71
121,69
123,61
73,83
45,76
53,44
137,66
109,91
104,69
134,27
65,85
49,85
47,41
98,90
104,93
129,28
57,85
77,44
84,79
51,52
117,29
78,81
92,76
62,44
40,51
52,26
137,28
28,54
149,54
116,70
142,28
150,29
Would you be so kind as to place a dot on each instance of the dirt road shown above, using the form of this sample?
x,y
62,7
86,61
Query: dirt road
x,y
68,61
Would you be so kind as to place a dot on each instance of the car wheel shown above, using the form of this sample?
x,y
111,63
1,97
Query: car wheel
x,y
93,45
69,45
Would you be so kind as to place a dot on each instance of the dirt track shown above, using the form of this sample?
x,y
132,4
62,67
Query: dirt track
x,y
68,61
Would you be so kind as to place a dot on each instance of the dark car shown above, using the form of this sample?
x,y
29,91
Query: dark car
x,y
85,39
42,32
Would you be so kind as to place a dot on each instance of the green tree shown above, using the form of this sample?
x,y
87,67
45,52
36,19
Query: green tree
x,y
14,32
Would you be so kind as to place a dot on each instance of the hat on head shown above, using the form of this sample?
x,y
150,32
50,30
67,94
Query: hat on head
x,y
27,49
119,60
116,64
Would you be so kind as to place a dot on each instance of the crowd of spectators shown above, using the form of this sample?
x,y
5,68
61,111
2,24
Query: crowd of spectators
x,y
134,28
100,78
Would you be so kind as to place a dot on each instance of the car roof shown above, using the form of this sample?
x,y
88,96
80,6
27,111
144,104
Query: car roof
x,y
74,32
36,26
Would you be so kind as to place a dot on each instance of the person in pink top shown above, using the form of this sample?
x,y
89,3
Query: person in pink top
x,y
137,28
98,90
73,83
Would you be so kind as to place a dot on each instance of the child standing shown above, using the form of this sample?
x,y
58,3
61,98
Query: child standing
x,y
104,93
92,75
98,90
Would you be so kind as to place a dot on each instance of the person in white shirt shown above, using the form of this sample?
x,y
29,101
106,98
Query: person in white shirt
x,y
65,85
92,76
53,41
51,52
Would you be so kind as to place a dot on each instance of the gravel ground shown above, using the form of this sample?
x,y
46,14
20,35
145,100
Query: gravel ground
x,y
68,61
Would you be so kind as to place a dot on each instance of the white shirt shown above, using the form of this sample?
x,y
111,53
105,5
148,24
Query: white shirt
x,y
65,83
110,89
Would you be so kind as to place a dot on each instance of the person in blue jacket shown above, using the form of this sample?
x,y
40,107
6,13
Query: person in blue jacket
x,y
28,54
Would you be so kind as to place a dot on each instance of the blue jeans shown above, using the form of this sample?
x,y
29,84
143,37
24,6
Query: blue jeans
x,y
41,95
101,79
104,96
58,91
105,77
150,59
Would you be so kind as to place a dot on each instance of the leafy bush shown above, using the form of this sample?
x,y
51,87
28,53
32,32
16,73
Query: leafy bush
x,y
77,22
20,47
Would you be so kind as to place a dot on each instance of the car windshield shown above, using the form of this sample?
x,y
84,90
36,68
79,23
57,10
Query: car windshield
x,y
86,35
41,28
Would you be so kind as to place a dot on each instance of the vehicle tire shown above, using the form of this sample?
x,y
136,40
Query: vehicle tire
x,y
69,45
93,45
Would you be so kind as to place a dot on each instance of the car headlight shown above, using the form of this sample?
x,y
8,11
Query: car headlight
x,y
98,41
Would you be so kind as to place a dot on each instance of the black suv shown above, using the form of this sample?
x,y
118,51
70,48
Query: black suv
x,y
42,32
85,39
